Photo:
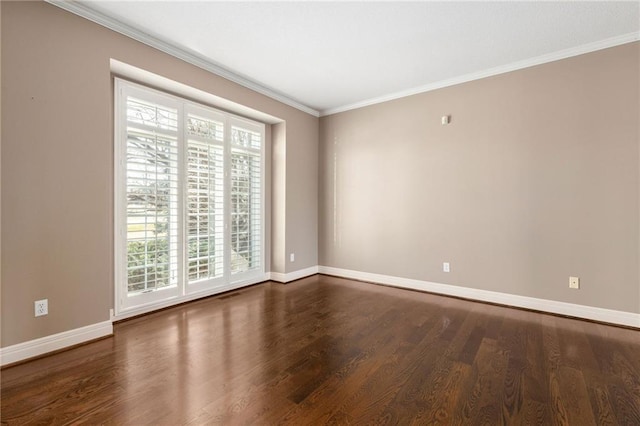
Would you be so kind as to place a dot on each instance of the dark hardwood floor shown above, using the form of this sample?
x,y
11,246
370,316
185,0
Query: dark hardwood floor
x,y
325,350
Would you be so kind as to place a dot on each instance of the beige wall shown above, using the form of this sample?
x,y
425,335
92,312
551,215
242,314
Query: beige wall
x,y
57,169
278,195
0,173
302,223
535,179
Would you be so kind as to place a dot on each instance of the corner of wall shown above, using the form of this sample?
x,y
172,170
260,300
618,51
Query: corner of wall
x,y
278,196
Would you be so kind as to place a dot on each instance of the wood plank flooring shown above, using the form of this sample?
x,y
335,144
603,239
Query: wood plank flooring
x,y
324,350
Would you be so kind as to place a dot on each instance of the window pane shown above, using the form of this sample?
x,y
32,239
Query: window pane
x,y
205,206
246,232
245,138
205,128
149,114
151,191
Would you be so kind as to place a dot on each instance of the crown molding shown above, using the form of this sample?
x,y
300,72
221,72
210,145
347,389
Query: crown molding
x,y
193,58
538,60
184,54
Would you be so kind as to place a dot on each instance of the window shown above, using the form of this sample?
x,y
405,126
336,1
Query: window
x,y
189,199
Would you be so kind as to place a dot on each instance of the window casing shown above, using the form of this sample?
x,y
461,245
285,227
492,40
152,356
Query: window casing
x,y
189,199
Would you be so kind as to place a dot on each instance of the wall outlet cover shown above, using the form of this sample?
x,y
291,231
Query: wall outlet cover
x,y
41,307
574,282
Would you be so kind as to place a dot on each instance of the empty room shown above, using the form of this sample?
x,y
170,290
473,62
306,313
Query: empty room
x,y
314,213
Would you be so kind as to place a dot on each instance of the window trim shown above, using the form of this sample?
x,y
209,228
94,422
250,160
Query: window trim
x,y
184,291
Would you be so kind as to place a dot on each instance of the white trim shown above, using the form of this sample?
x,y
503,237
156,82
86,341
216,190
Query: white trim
x,y
54,342
295,275
562,308
144,309
538,60
193,58
186,55
148,78
119,200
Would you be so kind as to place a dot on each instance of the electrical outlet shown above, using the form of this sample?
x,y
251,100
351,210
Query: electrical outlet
x,y
574,282
41,307
446,267
292,257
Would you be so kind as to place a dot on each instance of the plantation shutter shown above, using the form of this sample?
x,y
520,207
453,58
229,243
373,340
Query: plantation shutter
x,y
189,193
205,197
246,200
151,195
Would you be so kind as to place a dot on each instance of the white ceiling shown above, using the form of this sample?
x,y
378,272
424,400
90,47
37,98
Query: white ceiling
x,y
331,56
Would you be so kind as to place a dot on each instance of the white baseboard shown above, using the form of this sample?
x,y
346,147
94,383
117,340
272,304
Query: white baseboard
x,y
54,342
295,275
43,345
562,308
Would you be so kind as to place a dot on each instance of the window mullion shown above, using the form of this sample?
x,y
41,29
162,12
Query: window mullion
x,y
227,200
183,249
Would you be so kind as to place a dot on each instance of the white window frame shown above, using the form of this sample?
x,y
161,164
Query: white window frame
x,y
126,305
